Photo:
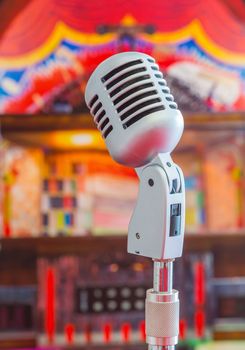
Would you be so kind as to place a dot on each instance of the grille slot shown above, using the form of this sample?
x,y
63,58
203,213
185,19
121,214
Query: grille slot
x,y
93,100
151,60
158,76
105,122
131,92
173,105
162,83
119,69
170,98
166,90
124,76
96,108
154,68
135,99
139,106
100,116
142,115
107,131
128,83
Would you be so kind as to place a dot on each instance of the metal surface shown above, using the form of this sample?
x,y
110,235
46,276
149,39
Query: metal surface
x,y
163,276
163,282
159,347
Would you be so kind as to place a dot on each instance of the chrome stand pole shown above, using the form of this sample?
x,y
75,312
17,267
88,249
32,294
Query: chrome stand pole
x,y
162,282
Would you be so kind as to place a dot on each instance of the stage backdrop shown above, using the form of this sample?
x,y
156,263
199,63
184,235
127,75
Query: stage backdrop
x,y
48,48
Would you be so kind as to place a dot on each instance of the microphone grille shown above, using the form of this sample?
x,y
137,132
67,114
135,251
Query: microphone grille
x,y
136,89
133,91
133,109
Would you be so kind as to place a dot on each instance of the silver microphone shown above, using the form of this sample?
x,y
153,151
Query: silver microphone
x,y
133,108
141,124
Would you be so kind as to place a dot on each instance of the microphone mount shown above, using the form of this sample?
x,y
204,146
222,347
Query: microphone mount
x,y
156,229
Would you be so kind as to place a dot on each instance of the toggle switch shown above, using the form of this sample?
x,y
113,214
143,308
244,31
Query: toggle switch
x,y
175,219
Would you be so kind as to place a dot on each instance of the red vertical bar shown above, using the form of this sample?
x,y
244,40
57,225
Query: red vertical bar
x,y
87,333
126,332
199,284
142,331
6,229
50,305
199,316
200,323
6,211
182,329
107,332
69,333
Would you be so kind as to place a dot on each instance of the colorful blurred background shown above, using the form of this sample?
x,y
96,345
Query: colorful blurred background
x,y
66,280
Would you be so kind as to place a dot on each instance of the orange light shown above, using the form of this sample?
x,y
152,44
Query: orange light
x,y
85,139
62,140
114,267
138,267
82,139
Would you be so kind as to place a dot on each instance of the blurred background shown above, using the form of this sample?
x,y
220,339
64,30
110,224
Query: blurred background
x,y
66,280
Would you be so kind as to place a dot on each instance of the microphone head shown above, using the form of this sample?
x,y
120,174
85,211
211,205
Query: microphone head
x,y
133,108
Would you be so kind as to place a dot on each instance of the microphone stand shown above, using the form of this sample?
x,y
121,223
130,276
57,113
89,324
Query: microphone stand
x,y
156,230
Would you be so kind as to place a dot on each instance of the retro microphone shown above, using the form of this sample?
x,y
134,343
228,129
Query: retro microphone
x,y
141,124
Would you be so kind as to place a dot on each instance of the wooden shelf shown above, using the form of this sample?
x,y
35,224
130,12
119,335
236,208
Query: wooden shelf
x,y
18,256
44,122
53,246
49,122
17,344
17,340
83,244
38,130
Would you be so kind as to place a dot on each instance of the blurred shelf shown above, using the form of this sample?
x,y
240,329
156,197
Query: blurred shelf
x,y
51,122
229,335
16,340
89,347
42,130
18,256
111,347
106,346
83,244
62,245
215,121
29,123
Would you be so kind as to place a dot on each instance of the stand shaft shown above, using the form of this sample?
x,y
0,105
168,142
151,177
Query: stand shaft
x,y
162,282
159,347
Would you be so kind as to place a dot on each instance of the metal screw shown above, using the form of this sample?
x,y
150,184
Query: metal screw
x,y
137,235
151,182
169,164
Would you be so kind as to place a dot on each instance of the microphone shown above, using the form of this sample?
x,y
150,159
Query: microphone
x,y
133,108
140,122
